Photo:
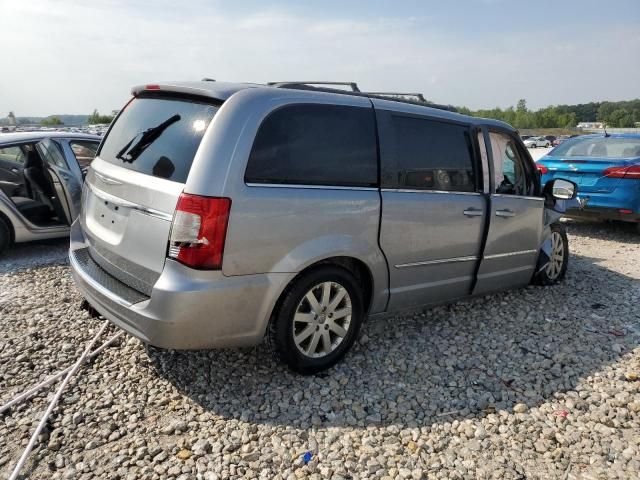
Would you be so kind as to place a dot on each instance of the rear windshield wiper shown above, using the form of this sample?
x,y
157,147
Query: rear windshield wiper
x,y
141,141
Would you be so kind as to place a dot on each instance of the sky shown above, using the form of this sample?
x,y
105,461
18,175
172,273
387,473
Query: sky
x,y
73,56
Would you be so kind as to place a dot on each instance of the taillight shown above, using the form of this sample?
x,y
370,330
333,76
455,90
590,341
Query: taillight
x,y
542,169
199,230
152,87
632,171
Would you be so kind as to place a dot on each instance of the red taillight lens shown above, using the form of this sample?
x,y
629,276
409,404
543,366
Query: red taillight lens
x,y
623,172
542,169
199,230
152,87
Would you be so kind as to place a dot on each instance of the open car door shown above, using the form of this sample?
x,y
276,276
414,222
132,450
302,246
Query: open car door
x,y
66,183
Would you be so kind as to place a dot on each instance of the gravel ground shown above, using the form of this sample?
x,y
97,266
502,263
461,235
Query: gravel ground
x,y
533,383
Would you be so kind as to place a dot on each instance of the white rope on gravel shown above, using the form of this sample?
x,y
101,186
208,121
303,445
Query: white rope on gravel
x,y
53,378
54,401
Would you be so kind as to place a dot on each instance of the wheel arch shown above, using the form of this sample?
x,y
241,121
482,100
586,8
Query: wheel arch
x,y
12,233
354,265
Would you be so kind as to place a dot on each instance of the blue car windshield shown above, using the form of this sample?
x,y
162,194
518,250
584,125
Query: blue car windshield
x,y
599,147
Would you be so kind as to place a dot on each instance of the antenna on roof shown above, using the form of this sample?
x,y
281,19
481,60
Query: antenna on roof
x,y
207,79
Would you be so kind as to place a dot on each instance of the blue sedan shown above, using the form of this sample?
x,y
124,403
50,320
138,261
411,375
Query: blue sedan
x,y
606,168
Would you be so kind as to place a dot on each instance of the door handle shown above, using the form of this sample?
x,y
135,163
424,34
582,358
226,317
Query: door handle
x,y
505,213
15,170
473,212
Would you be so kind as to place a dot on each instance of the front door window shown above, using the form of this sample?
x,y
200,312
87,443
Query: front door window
x,y
510,172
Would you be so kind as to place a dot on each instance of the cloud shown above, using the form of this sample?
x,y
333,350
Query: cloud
x,y
73,56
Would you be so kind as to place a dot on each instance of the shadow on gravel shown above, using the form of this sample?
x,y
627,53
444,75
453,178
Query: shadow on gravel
x,y
440,364
625,232
31,254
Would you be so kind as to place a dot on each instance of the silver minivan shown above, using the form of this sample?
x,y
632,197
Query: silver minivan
x,y
220,214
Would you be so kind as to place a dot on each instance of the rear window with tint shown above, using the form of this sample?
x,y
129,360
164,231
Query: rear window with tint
x,y
316,145
433,155
158,136
599,147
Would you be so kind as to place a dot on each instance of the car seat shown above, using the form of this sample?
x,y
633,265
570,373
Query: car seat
x,y
40,185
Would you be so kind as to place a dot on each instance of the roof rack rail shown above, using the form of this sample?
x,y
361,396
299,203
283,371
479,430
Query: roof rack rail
x,y
419,96
390,96
352,85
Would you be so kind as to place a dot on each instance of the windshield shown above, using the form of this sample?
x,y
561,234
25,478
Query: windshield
x,y
158,136
599,147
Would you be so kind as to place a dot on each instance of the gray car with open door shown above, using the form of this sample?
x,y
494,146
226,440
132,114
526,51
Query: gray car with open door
x,y
41,178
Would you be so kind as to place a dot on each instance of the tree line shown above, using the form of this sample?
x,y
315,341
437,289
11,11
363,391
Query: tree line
x,y
624,114
96,118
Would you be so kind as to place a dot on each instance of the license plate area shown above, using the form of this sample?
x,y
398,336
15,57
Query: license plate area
x,y
106,219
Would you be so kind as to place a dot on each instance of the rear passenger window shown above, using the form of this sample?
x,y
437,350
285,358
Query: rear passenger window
x,y
315,145
12,154
84,151
433,155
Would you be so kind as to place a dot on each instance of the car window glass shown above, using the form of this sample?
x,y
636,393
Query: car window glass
x,y
51,153
315,145
509,167
158,136
12,154
433,155
599,147
84,151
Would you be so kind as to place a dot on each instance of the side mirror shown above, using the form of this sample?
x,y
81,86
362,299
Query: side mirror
x,y
561,189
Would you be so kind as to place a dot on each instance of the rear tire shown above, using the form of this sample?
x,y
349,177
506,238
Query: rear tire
x,y
312,335
556,269
5,236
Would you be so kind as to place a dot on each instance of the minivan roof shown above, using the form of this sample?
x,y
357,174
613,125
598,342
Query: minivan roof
x,y
224,90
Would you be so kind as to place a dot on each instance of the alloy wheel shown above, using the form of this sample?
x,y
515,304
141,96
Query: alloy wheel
x,y
322,319
554,267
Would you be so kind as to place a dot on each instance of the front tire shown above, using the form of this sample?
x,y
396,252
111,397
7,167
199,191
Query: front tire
x,y
318,320
5,236
556,269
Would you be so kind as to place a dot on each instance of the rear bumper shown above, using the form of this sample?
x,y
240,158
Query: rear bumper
x,y
608,206
187,309
600,213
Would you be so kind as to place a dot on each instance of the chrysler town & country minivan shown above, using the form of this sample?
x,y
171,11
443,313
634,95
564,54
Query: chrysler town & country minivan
x,y
217,214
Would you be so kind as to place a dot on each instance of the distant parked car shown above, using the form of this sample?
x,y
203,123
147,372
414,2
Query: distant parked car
x,y
606,169
525,137
559,140
41,175
534,142
551,139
